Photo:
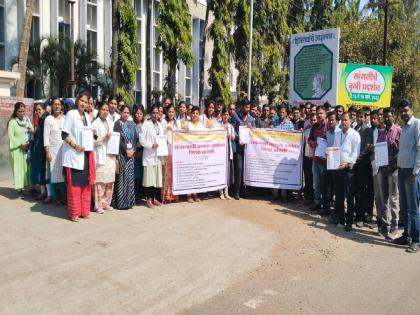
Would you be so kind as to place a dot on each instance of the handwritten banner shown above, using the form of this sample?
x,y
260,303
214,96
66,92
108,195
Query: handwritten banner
x,y
199,161
273,159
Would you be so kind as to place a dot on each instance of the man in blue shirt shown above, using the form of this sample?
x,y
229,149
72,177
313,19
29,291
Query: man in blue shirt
x,y
408,162
240,118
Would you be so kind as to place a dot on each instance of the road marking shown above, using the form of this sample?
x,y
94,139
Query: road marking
x,y
255,302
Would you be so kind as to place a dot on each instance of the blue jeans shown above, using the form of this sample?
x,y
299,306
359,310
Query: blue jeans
x,y
409,203
319,173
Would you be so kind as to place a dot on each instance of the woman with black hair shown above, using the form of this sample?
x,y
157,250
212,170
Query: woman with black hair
x,y
152,163
38,158
19,129
208,120
124,189
139,117
53,144
79,164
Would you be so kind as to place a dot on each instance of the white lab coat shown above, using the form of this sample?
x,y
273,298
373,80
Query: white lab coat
x,y
73,125
147,139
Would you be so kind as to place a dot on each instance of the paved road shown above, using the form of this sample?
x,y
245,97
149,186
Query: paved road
x,y
215,257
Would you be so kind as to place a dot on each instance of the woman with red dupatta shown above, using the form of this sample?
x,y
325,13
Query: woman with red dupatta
x,y
78,163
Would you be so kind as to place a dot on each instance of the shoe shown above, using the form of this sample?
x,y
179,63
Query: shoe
x,y
196,199
334,221
340,225
100,211
228,197
368,219
394,230
41,196
47,200
74,219
324,212
315,207
149,204
348,228
359,224
412,248
108,208
190,199
156,203
236,197
402,240
222,197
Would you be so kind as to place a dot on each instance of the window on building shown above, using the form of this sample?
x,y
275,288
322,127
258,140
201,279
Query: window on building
x,y
188,85
201,56
138,86
91,27
35,28
157,60
2,39
63,20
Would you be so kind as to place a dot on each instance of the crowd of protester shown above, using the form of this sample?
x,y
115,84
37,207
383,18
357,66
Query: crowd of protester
x,y
48,159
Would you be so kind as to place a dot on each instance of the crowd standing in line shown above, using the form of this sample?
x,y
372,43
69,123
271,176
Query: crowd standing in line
x,y
48,158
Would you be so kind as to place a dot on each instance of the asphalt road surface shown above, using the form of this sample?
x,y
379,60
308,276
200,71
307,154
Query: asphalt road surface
x,y
212,257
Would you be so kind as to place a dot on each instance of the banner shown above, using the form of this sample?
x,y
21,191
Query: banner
x,y
313,66
273,159
199,161
364,85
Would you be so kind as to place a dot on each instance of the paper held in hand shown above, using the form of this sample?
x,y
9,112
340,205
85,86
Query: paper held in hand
x,y
333,158
381,154
162,142
87,138
320,148
244,134
113,145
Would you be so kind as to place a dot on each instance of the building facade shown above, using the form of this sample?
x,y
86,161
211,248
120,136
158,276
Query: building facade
x,y
93,25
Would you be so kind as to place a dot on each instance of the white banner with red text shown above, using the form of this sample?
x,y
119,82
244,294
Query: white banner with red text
x,y
199,161
273,159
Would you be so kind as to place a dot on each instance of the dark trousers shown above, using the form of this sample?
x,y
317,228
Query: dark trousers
x,y
363,187
329,182
308,189
343,186
238,160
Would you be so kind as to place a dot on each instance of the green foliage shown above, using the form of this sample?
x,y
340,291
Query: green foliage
x,y
320,13
362,41
53,59
220,31
241,44
127,50
175,40
269,38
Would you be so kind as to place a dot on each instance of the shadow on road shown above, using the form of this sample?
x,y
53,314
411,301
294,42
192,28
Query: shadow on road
x,y
51,210
363,235
9,193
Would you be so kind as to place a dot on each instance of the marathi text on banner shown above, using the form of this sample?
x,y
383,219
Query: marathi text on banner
x,y
199,161
273,159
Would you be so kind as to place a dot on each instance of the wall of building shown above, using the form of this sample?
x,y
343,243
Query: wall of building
x,y
93,25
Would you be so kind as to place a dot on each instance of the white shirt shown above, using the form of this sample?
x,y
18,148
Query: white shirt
x,y
147,139
73,125
112,119
349,144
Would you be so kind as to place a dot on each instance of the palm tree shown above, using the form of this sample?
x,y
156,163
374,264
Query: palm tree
x,y
24,48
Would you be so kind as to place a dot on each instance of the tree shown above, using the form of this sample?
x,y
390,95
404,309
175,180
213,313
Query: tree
x,y
220,31
320,13
115,68
296,16
269,39
175,40
241,44
24,48
127,50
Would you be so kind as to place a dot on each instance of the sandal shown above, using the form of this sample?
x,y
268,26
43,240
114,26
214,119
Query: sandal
x,y
75,219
